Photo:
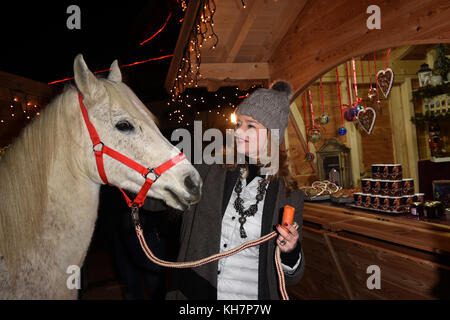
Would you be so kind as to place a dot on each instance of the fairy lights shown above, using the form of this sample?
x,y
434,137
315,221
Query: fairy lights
x,y
186,107
25,109
202,32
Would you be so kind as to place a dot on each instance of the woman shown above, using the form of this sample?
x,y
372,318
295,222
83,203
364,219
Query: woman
x,y
239,204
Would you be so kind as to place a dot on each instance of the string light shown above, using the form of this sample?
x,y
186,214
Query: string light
x,y
202,31
161,29
223,100
123,66
16,106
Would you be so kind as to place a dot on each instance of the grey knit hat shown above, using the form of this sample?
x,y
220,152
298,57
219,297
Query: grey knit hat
x,y
270,107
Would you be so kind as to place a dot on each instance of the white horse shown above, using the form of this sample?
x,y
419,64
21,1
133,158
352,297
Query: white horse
x,y
49,183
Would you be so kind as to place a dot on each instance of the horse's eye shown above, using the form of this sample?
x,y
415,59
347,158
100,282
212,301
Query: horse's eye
x,y
124,125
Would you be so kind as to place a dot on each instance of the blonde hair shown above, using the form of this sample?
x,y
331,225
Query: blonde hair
x,y
284,171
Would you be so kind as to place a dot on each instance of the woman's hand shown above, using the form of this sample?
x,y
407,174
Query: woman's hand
x,y
287,240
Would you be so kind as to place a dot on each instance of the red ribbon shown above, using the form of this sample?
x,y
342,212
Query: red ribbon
x,y
362,71
339,95
311,107
376,75
348,85
387,59
321,96
354,80
370,74
304,119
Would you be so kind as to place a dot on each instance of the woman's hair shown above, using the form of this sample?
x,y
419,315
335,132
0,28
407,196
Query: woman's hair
x,y
283,172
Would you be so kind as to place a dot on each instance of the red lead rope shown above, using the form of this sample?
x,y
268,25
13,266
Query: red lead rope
x,y
140,198
139,201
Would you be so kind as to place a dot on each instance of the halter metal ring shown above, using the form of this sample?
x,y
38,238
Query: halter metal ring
x,y
154,176
100,143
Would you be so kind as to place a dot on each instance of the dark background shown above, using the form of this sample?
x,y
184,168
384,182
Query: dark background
x,y
37,44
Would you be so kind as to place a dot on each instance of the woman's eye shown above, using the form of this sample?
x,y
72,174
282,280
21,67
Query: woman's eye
x,y
250,126
124,126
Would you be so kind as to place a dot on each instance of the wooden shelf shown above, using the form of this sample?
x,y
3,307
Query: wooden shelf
x,y
423,235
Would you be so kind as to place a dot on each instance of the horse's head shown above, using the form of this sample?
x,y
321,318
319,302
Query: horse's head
x,y
127,126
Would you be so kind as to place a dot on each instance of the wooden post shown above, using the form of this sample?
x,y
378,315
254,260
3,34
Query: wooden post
x,y
353,139
299,125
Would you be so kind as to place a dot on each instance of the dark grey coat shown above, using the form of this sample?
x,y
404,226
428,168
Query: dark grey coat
x,y
201,230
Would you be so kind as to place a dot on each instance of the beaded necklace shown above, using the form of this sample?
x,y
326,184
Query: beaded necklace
x,y
238,203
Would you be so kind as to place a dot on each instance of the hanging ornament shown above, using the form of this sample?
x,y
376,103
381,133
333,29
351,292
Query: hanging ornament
x,y
385,78
366,119
349,114
358,108
309,157
342,131
314,135
338,87
324,117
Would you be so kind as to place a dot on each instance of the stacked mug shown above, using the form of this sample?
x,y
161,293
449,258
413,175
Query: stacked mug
x,y
387,190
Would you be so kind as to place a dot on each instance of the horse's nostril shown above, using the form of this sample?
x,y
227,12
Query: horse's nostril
x,y
191,185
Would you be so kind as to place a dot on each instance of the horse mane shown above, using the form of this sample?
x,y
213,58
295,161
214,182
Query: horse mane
x,y
24,172
25,167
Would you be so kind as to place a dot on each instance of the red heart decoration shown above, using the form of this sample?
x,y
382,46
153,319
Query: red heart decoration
x,y
366,119
385,79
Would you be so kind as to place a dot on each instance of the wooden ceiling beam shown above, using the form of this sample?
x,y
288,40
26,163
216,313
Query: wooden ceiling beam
x,y
237,71
213,85
285,20
241,28
183,39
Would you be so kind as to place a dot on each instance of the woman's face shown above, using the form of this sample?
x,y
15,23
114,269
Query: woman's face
x,y
251,136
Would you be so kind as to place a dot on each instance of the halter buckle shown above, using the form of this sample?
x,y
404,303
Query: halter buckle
x,y
101,149
135,214
152,171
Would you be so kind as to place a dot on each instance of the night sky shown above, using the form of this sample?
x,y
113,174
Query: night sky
x,y
37,44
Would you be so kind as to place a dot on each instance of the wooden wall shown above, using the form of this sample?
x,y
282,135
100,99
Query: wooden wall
x,y
375,148
314,45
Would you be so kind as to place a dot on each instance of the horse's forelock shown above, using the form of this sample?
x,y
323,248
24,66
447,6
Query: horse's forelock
x,y
123,96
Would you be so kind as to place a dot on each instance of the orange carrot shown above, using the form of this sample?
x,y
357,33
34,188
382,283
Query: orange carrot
x,y
288,216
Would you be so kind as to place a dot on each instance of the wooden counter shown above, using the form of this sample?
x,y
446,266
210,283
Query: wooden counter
x,y
341,242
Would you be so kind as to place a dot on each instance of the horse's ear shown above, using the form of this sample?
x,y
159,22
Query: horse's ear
x,y
115,75
86,82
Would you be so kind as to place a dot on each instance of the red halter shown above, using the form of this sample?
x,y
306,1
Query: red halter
x,y
156,172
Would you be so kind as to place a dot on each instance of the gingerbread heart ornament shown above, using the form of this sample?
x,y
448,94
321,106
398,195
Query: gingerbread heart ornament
x,y
366,119
385,79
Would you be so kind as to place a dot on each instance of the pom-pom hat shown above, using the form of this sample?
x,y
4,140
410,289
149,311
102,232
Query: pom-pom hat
x,y
270,107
